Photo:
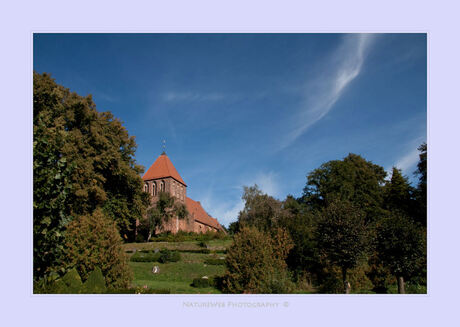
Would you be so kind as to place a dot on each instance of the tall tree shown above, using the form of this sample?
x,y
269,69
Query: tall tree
x,y
352,179
260,210
83,160
421,191
342,237
398,193
401,245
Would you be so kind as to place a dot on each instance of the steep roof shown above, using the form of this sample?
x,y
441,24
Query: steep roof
x,y
161,168
197,212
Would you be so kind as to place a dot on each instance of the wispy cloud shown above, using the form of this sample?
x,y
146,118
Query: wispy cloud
x,y
192,96
324,90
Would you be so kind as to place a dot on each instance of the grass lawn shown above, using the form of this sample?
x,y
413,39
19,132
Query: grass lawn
x,y
178,276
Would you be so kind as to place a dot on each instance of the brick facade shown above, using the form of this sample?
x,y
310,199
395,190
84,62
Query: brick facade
x,y
162,176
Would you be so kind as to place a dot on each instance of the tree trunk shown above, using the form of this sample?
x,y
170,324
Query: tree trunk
x,y
150,235
346,285
401,289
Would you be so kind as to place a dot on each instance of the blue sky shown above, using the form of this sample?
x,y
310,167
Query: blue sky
x,y
240,109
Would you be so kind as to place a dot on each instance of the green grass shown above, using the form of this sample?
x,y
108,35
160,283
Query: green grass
x,y
178,276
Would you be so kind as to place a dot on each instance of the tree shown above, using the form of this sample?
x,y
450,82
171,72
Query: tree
x,y
342,237
93,241
401,246
299,222
256,262
260,210
398,193
420,194
163,211
83,160
353,179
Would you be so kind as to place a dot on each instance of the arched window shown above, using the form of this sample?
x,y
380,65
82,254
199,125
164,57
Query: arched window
x,y
146,187
162,186
154,188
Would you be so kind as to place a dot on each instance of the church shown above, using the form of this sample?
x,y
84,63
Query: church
x,y
162,176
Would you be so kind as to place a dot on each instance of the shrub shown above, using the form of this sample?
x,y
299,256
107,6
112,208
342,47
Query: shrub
x,y
145,257
214,261
93,240
205,251
168,256
73,281
220,251
95,284
200,282
202,245
256,263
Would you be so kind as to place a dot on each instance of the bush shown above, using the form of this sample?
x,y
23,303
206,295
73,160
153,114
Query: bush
x,y
93,240
73,281
220,251
202,245
214,261
95,284
168,256
205,251
145,257
256,263
201,282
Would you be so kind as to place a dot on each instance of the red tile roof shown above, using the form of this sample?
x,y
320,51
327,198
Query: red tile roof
x,y
197,212
161,168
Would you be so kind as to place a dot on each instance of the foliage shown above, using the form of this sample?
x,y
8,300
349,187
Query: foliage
x,y
300,223
93,241
256,262
82,160
73,281
352,179
398,192
201,282
214,261
145,257
168,256
233,228
95,284
421,191
260,210
342,236
401,245
165,208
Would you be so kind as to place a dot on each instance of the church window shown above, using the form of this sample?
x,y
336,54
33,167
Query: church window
x,y
154,188
162,186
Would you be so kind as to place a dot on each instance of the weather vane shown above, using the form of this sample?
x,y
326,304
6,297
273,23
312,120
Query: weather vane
x,y
164,147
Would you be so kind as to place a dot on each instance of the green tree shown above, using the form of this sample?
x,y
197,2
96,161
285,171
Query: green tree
x,y
256,262
260,210
420,194
398,193
353,179
83,159
162,212
93,242
342,237
401,245
299,222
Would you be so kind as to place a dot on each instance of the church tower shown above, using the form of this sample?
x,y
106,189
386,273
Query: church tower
x,y
162,176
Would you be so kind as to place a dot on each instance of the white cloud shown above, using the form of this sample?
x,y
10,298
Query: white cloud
x,y
325,90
